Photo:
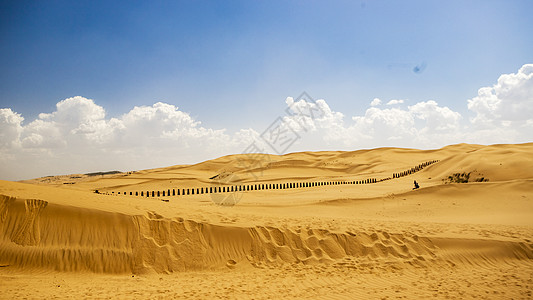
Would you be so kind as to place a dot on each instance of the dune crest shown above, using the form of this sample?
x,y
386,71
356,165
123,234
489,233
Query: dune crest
x,y
105,242
115,243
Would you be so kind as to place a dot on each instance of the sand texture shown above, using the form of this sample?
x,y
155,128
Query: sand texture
x,y
313,225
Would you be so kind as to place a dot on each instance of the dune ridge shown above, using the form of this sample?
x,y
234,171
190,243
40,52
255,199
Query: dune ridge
x,y
227,184
105,242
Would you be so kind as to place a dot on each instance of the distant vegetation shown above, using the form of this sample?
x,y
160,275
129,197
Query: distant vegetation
x,y
459,177
102,173
462,178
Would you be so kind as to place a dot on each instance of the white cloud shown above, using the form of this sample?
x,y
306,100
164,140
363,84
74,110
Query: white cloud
x,y
510,99
164,125
375,102
75,110
10,128
78,136
76,119
504,112
385,124
394,102
425,123
437,118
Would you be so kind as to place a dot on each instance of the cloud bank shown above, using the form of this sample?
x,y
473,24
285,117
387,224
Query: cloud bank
x,y
78,137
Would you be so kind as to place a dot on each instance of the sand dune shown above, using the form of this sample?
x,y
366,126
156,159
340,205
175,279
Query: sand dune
x,y
328,233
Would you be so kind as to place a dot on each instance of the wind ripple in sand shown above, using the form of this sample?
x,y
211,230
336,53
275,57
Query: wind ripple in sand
x,y
38,236
28,232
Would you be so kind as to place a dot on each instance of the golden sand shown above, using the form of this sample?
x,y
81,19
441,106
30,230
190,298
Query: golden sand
x,y
327,234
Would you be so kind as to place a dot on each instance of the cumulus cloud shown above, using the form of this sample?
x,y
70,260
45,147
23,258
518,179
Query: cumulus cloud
x,y
425,123
308,115
394,102
10,128
504,111
510,99
375,102
419,124
437,118
164,125
78,136
76,119
388,124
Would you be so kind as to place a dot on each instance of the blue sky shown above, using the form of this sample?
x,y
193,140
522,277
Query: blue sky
x,y
231,65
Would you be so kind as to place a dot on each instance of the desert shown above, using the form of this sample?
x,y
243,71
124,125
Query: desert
x,y
266,149
320,225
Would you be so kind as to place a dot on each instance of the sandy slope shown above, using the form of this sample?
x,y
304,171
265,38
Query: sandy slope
x,y
339,240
